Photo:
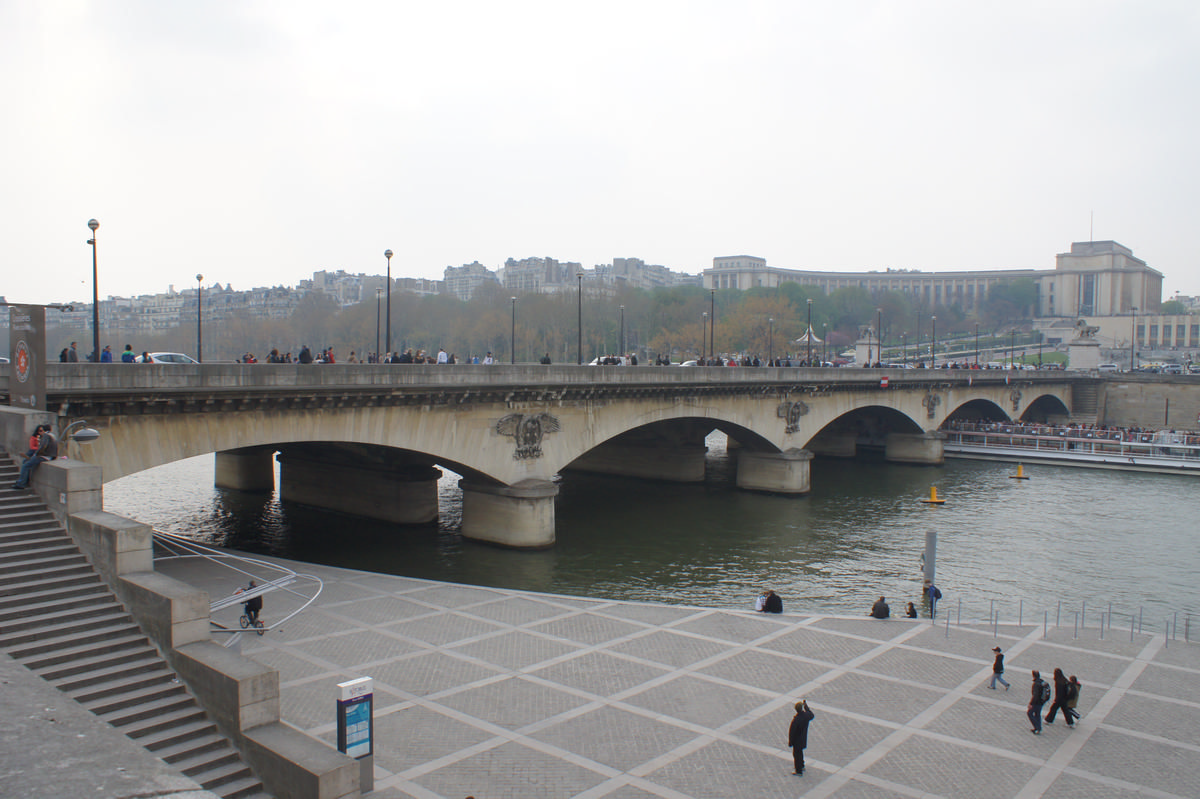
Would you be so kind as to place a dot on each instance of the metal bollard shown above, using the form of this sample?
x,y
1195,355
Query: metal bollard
x,y
1076,633
1021,614
996,626
1187,622
1102,626
1058,615
991,609
948,622
1175,626
1045,622
960,611
1167,634
1083,615
1141,611
1131,622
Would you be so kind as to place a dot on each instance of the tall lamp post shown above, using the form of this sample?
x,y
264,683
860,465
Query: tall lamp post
x,y
378,297
1012,348
93,224
933,342
513,335
622,331
808,335
580,319
712,325
388,324
977,344
824,339
770,341
904,347
879,334
703,335
199,323
1133,340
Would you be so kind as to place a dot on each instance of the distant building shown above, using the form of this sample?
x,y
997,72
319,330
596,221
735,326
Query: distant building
x,y
1095,278
463,281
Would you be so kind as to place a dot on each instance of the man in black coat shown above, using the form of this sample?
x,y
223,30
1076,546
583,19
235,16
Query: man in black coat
x,y
798,734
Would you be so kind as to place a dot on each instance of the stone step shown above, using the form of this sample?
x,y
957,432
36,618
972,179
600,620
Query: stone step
x,y
26,563
48,532
32,599
24,646
245,788
33,626
137,696
169,719
152,711
149,663
209,761
16,586
213,779
185,750
79,667
85,605
175,735
37,547
22,523
43,662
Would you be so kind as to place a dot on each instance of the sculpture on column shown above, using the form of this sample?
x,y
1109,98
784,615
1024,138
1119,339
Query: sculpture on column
x,y
528,429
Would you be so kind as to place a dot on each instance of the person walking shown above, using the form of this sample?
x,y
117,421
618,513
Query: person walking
x,y
1069,710
1060,698
998,670
798,735
1039,693
934,595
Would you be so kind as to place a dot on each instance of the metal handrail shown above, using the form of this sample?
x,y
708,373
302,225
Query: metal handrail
x,y
180,547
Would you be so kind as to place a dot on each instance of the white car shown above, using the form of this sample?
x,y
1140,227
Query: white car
x,y
166,357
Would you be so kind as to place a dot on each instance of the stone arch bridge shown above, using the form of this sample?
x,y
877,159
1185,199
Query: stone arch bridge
x,y
367,439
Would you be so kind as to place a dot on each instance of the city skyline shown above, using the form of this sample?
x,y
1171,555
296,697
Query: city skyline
x,y
255,142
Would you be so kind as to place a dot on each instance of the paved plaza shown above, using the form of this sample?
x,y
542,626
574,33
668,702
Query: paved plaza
x,y
505,694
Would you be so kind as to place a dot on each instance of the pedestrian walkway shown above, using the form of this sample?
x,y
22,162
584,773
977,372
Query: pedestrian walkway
x,y
503,694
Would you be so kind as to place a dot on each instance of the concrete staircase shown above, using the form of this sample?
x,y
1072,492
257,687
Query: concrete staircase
x,y
60,620
1085,402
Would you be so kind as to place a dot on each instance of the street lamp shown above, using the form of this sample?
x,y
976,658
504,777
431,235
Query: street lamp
x,y
977,344
513,336
580,320
904,347
199,323
378,297
808,335
622,331
703,335
770,341
1012,348
388,325
879,334
712,327
1133,340
824,339
933,343
93,224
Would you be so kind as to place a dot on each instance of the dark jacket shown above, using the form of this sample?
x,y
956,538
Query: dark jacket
x,y
880,610
773,604
1035,697
798,732
998,666
1060,688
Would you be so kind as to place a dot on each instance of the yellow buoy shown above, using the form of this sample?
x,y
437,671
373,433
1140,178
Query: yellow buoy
x,y
933,497
1020,475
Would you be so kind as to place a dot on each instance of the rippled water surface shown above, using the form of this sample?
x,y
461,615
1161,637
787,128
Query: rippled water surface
x,y
1069,535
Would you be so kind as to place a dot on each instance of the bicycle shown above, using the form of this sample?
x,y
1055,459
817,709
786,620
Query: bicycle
x,y
257,624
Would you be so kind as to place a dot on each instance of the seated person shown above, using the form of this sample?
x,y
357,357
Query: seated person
x,y
772,604
880,609
910,611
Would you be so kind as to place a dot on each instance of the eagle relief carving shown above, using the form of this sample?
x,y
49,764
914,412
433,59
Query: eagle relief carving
x,y
931,402
527,429
1015,396
791,412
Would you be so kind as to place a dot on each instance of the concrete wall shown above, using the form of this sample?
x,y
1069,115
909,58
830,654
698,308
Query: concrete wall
x,y
1152,401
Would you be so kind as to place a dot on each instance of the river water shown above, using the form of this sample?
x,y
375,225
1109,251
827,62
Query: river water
x,y
1071,536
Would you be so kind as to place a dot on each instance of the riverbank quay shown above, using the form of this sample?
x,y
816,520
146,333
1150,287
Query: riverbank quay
x,y
505,694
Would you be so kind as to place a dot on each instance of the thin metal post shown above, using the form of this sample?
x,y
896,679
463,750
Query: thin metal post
x,y
1058,615
1141,612
1187,623
1175,626
991,608
1101,626
996,626
960,610
1045,623
1021,614
1083,615
1132,621
948,624
1167,634
1075,634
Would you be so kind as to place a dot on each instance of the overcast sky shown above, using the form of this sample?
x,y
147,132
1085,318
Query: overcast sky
x,y
257,142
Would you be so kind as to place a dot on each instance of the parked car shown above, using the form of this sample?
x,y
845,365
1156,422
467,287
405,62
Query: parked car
x,y
166,357
1173,369
1108,367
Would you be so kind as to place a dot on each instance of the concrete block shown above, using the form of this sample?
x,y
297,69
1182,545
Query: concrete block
x,y
295,765
114,545
171,612
238,692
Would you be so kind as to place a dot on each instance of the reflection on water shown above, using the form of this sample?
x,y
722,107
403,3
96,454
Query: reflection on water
x,y
1066,534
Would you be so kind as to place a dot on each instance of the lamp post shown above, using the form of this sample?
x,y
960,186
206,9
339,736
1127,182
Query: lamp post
x,y
580,319
712,326
933,342
703,335
770,341
513,334
378,297
1133,340
977,344
199,323
808,335
388,324
824,338
1012,348
879,334
904,347
622,331
93,224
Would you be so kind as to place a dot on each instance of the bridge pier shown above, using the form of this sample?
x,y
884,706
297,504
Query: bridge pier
x,y
249,469
678,464
787,472
834,446
923,448
519,516
399,494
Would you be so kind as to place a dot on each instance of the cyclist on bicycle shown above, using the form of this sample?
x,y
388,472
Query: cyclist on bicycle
x,y
253,605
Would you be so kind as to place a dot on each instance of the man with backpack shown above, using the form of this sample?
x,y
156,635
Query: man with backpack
x,y
1038,696
934,595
